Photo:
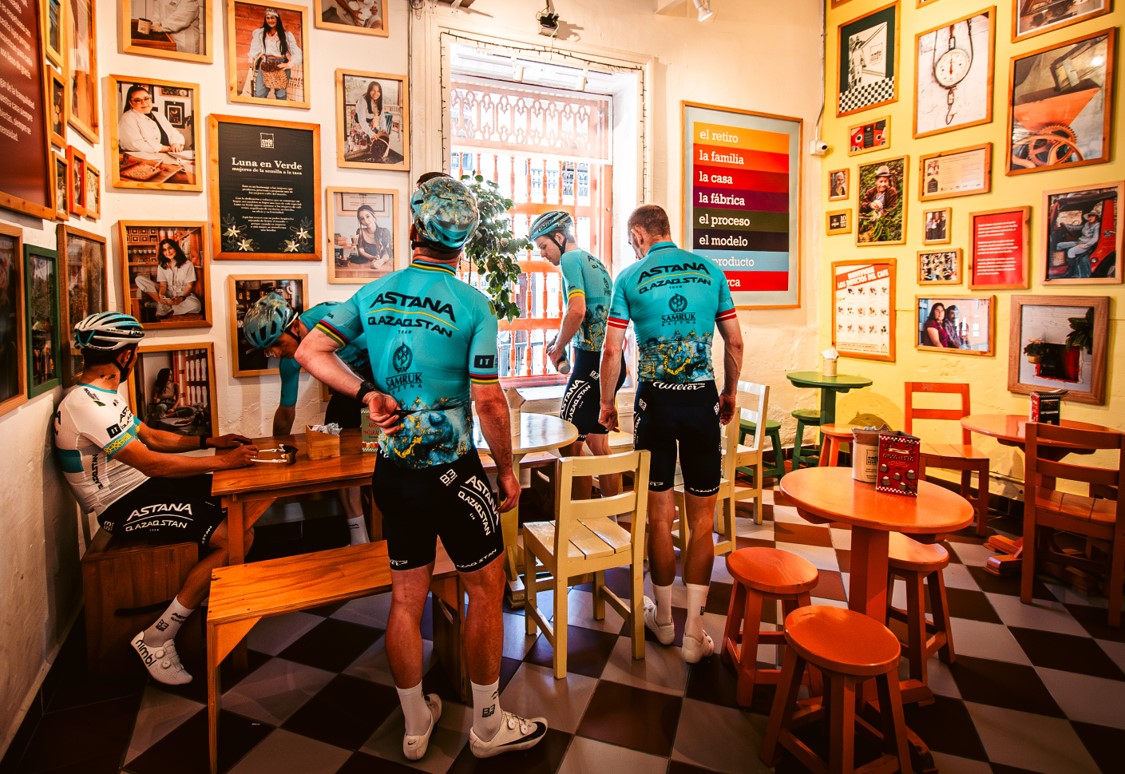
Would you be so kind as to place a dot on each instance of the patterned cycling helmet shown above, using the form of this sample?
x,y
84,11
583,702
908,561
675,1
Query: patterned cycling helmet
x,y
267,319
549,222
445,213
107,331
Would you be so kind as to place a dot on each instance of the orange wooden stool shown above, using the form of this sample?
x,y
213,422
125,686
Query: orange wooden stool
x,y
761,573
834,436
848,647
916,562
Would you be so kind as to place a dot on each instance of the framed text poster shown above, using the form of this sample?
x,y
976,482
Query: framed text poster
x,y
742,200
25,143
863,304
999,249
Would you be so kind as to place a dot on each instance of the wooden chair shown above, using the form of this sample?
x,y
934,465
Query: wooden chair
x,y
585,538
962,457
753,405
729,492
1047,510
806,418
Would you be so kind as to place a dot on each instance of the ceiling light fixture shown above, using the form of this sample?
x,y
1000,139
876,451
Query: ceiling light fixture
x,y
704,8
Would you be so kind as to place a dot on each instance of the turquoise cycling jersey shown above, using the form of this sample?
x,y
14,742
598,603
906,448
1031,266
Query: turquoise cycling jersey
x,y
674,299
428,336
586,276
353,355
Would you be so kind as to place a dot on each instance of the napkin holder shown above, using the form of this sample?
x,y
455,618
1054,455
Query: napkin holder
x,y
1046,406
321,446
900,463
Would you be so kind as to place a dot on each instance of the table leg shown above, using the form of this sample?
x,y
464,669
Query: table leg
x,y
510,528
240,515
827,406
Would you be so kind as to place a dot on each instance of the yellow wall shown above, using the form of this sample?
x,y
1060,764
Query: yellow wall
x,y
987,375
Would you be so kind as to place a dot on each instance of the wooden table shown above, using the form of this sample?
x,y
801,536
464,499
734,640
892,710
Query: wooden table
x,y
1009,430
828,386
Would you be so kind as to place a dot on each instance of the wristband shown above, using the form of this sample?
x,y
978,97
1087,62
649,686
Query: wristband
x,y
364,388
202,442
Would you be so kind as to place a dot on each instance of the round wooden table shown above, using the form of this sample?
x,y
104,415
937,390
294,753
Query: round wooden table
x,y
828,386
1009,430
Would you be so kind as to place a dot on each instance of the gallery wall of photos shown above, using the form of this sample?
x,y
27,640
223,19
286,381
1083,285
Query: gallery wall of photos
x,y
973,146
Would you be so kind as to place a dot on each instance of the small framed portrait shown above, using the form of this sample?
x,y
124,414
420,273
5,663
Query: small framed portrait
x,y
838,222
267,53
863,309
960,172
1034,17
167,273
372,120
881,219
170,29
93,192
959,325
53,31
839,184
76,187
41,294
245,290
1083,236
152,150
871,136
953,74
363,224
939,267
937,226
1059,342
81,39
999,241
62,183
84,289
58,108
13,376
365,17
172,388
867,64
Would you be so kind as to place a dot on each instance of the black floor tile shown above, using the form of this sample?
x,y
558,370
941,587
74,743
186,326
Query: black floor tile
x,y
999,684
1066,652
946,726
587,651
362,763
345,713
1096,621
968,604
1104,744
332,645
73,736
648,725
184,750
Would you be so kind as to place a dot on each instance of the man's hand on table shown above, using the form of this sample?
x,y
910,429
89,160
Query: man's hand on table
x,y
237,456
229,441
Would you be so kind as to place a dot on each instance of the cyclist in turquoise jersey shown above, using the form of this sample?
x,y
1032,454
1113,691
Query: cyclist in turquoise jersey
x,y
431,342
675,300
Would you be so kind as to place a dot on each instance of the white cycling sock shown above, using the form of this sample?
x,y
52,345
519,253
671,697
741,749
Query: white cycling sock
x,y
167,625
357,532
414,709
662,595
486,710
696,602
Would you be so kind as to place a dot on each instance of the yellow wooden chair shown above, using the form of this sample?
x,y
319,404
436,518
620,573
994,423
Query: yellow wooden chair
x,y
585,538
724,505
753,406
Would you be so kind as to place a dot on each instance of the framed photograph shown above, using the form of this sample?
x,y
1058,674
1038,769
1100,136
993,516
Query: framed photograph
x,y
151,151
939,267
839,184
882,204
953,74
867,63
372,120
1059,112
963,325
62,184
265,188
1083,236
267,53
741,200
1059,342
82,66
871,136
93,192
1034,17
167,274
172,388
938,226
863,309
58,108
170,29
13,350
84,288
363,224
53,31
41,291
999,248
76,187
364,17
244,291
838,222
961,172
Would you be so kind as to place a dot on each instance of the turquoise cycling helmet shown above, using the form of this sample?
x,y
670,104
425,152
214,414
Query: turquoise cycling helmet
x,y
445,213
549,222
107,331
267,319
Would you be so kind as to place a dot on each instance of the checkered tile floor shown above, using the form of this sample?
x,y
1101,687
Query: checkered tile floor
x,y
1034,688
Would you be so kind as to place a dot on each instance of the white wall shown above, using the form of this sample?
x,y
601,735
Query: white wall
x,y
741,59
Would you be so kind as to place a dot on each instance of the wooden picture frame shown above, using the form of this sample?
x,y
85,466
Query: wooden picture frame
x,y
839,184
863,309
740,167
937,226
882,224
976,331
84,289
867,50
54,32
172,388
1029,19
244,152
177,37
1070,257
1055,94
143,248
62,182
93,192
961,172
243,291
82,67
1055,324
870,136
357,257
1000,249
140,157
361,144
246,80
41,299
58,113
940,267
953,74
368,18
838,222
13,344
76,187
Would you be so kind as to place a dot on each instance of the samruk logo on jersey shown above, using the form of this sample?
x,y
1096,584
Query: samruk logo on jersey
x,y
677,303
402,359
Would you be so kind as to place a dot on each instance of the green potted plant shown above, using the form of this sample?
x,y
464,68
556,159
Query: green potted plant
x,y
1035,350
1081,334
493,247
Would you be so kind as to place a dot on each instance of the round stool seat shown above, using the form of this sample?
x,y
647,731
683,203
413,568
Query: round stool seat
x,y
908,554
807,416
772,571
843,641
838,430
771,424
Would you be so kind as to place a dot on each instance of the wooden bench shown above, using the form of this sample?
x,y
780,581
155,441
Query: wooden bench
x,y
241,595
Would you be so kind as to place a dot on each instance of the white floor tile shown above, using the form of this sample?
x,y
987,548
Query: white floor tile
x,y
1043,615
841,538
971,554
940,679
275,634
1087,699
1069,596
719,738
980,639
274,691
787,513
285,751
1029,741
516,641
533,691
822,557
582,613
159,714
957,576
368,611
372,664
959,765
587,755
1115,650
662,669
